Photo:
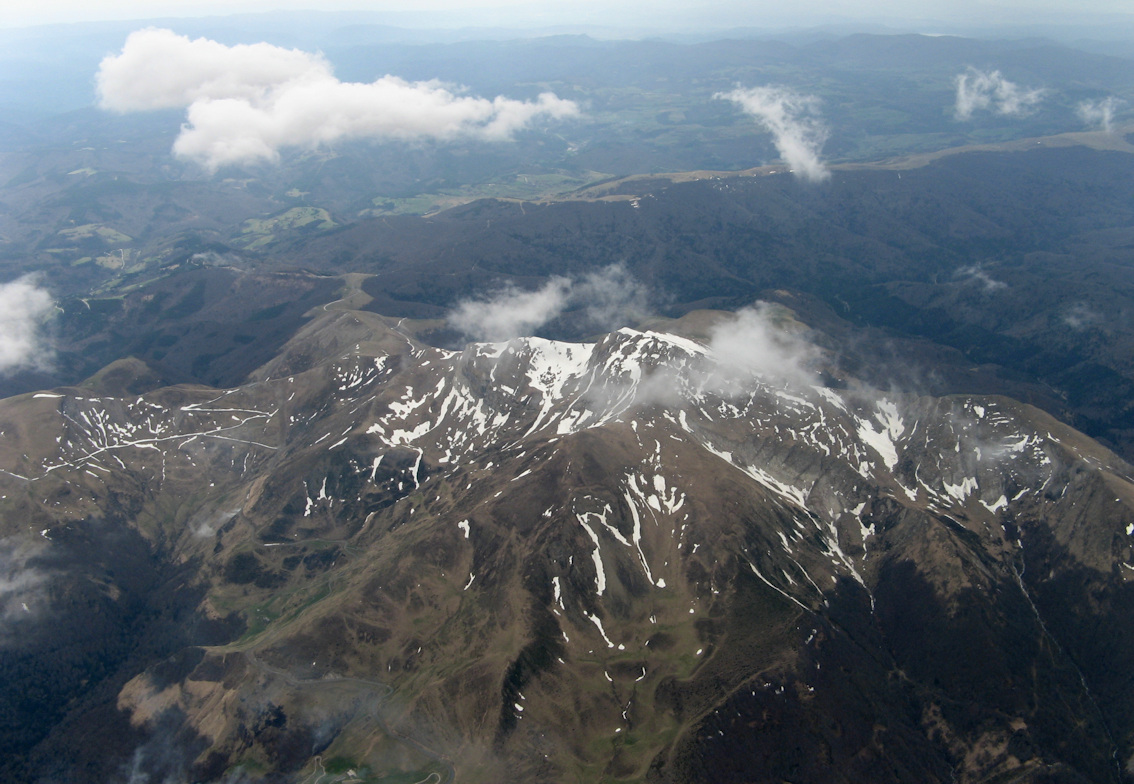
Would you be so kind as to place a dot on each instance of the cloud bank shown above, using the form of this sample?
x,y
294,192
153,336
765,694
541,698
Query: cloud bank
x,y
24,308
793,120
990,91
607,298
247,102
1099,114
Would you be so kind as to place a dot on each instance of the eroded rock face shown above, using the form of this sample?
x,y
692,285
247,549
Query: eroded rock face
x,y
642,558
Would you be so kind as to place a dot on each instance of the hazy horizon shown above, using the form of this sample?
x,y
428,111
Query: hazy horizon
x,y
628,17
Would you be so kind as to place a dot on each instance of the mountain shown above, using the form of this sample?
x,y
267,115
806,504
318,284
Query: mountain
x,y
1000,270
687,552
1017,259
794,481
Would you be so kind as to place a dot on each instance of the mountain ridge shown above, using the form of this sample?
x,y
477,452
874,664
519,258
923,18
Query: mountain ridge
x,y
494,531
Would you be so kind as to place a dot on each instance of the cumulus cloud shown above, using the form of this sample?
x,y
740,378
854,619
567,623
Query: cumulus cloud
x,y
756,344
1099,114
976,274
605,299
247,102
610,297
760,345
24,308
511,312
1080,316
793,120
990,91
22,586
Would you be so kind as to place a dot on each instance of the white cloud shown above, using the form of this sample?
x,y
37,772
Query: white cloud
x,y
756,343
794,122
1080,316
197,70
986,281
1099,113
760,345
24,307
610,298
22,587
247,102
606,299
511,312
990,91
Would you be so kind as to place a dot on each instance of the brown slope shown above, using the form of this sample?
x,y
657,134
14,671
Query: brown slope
x,y
577,562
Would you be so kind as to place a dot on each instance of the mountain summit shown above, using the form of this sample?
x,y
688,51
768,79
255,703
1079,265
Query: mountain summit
x,y
679,553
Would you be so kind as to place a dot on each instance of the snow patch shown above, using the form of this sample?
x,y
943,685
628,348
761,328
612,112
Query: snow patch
x,y
996,506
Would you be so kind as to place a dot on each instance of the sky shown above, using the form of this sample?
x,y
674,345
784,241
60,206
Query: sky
x,y
522,13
